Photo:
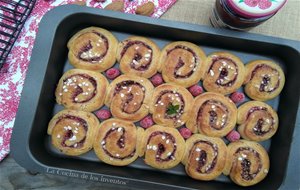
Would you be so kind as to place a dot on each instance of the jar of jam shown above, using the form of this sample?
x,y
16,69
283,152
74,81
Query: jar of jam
x,y
243,14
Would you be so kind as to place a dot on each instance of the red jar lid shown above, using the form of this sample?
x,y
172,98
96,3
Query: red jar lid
x,y
256,8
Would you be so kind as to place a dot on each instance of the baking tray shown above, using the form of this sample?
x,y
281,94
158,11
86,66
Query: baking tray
x,y
30,143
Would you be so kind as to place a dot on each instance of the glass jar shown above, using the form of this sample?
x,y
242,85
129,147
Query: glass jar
x,y
243,14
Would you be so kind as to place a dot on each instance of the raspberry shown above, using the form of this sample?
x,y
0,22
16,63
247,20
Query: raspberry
x,y
264,4
112,73
233,136
185,132
157,80
237,97
195,90
251,3
100,1
103,114
146,122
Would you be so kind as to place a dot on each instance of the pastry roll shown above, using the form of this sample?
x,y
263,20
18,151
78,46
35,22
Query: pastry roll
x,y
182,63
257,121
93,48
163,147
204,157
171,105
264,80
128,97
81,90
212,114
116,142
225,73
247,163
138,56
72,132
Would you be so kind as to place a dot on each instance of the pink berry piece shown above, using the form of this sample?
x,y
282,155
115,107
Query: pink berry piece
x,y
100,1
251,3
112,73
233,136
157,80
103,114
196,90
264,4
237,97
185,132
147,122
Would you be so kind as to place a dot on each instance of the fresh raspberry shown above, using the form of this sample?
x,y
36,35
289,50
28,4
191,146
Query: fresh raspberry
x,y
233,136
185,132
264,4
112,73
146,122
103,114
251,3
237,97
195,90
157,80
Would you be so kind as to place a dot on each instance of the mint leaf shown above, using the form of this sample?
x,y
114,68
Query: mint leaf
x,y
241,1
172,109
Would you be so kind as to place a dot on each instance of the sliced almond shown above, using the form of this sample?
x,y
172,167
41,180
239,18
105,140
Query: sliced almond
x,y
146,9
115,6
78,2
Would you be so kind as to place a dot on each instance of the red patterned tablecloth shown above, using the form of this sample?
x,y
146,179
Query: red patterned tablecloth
x,y
13,73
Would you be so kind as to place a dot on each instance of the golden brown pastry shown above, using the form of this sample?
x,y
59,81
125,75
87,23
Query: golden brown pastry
x,y
204,157
247,163
257,121
138,56
116,142
129,97
182,63
72,132
224,73
163,147
171,105
212,114
81,90
93,48
264,80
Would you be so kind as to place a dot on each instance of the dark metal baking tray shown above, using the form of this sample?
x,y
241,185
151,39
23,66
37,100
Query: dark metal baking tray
x,y
30,143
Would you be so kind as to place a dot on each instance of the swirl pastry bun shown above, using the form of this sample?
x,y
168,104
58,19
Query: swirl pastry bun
x,y
93,48
182,63
138,56
225,73
129,97
264,80
81,90
212,114
72,132
204,157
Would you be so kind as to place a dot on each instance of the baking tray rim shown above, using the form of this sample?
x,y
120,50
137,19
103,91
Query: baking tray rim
x,y
20,137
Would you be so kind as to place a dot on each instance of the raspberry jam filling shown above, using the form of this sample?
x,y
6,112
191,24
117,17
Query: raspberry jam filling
x,y
223,78
133,95
201,156
246,172
120,143
84,54
139,62
69,133
166,138
217,113
73,80
258,129
181,63
266,79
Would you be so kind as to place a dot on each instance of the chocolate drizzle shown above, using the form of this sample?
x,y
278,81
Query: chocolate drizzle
x,y
181,63
69,133
258,128
213,114
129,95
161,146
89,46
137,56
